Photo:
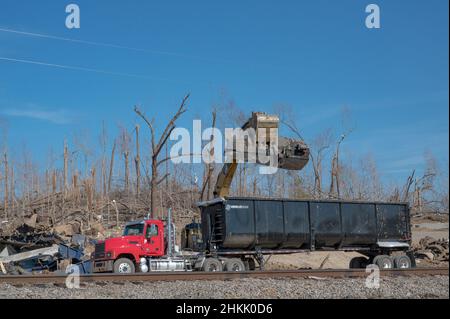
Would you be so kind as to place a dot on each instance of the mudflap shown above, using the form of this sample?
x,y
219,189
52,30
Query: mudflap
x,y
411,256
103,266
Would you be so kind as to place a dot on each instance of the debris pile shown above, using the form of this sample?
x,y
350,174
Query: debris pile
x,y
35,247
435,250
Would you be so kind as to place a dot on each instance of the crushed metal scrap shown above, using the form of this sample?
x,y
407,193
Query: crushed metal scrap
x,y
33,248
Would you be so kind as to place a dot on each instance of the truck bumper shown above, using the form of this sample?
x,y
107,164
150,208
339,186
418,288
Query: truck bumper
x,y
103,266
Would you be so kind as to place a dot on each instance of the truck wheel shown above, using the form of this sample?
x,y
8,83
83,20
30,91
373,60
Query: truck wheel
x,y
358,262
124,266
402,262
384,262
234,264
212,264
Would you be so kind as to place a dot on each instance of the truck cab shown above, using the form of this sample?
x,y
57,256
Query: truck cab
x,y
142,238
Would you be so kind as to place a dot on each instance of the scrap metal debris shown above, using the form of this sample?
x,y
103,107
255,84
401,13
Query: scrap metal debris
x,y
34,247
432,249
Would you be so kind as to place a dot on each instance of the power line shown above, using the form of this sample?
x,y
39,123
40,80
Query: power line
x,y
118,46
78,68
110,45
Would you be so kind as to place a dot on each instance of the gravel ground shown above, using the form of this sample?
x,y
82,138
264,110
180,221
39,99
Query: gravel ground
x,y
394,287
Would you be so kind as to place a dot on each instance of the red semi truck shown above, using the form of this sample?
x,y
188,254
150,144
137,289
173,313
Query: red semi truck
x,y
149,245
121,254
146,245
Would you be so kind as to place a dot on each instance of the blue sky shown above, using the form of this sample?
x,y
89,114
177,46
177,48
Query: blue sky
x,y
316,56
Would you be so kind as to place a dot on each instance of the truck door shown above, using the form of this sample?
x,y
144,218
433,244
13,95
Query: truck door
x,y
152,243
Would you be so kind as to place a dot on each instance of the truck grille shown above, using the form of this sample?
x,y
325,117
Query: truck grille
x,y
99,251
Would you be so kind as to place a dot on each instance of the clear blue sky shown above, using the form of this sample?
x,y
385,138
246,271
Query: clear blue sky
x,y
316,56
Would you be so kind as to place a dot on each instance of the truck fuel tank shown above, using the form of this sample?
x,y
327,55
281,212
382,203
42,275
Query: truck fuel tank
x,y
164,264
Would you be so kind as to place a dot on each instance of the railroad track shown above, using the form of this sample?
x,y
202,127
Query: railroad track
x,y
172,276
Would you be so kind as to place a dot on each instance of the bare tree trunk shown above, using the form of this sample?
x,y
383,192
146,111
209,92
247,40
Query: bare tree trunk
x,y
209,167
137,162
66,157
153,184
409,182
337,167
167,167
317,178
157,147
76,196
12,188
337,176
103,178
38,185
103,168
127,171
88,191
93,189
6,199
332,177
54,183
111,167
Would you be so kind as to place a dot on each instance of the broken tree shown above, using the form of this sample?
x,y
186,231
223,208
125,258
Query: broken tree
x,y
156,147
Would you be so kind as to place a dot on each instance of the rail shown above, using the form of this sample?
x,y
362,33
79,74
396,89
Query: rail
x,y
189,276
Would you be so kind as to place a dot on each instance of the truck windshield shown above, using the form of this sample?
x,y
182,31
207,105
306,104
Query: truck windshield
x,y
135,229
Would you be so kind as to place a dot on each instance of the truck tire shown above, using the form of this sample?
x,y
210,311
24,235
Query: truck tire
x,y
384,262
358,262
402,262
124,266
212,264
233,264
